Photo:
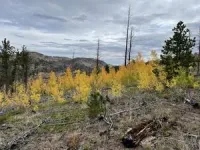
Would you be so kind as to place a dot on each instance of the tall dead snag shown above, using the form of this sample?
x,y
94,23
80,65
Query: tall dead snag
x,y
198,59
127,35
97,65
73,55
130,46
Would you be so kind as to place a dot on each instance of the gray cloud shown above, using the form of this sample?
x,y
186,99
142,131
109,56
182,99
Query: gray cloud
x,y
83,40
48,17
18,35
67,39
80,18
61,27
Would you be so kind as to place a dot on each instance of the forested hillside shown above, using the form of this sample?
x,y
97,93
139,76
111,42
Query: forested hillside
x,y
46,64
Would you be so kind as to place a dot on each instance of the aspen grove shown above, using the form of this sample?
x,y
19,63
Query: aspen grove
x,y
77,86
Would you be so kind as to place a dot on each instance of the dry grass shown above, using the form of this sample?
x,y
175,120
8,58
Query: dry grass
x,y
178,133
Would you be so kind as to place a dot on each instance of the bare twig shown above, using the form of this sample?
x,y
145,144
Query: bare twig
x,y
63,123
111,123
175,139
20,138
144,128
123,111
192,135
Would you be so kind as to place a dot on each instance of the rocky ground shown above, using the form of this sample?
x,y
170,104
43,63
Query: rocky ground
x,y
67,126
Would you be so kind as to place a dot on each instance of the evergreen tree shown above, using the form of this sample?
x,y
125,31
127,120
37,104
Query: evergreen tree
x,y
107,68
6,55
15,71
25,62
177,51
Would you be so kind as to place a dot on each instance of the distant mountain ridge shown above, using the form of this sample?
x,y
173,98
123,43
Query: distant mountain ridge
x,y
44,63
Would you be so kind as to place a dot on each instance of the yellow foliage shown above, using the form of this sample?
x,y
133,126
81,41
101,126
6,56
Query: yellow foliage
x,y
82,87
36,88
145,76
3,101
20,97
67,81
103,79
116,88
95,80
183,80
53,88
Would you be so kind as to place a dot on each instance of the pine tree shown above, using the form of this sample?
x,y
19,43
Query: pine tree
x,y
15,71
25,62
6,54
107,68
177,51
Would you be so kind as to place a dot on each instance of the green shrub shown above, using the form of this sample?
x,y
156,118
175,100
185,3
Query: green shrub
x,y
183,80
96,104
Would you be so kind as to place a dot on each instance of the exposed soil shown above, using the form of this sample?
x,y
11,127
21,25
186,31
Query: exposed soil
x,y
67,126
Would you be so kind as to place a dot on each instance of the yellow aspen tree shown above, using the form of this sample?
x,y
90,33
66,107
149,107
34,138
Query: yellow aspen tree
x,y
82,87
7,99
4,100
95,80
53,88
36,89
103,78
116,88
68,81
20,97
1,99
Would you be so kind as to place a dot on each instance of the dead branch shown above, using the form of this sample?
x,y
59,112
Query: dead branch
x,y
144,129
193,135
21,138
175,139
111,123
62,123
123,111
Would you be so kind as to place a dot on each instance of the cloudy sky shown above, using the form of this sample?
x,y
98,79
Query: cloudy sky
x,y
61,27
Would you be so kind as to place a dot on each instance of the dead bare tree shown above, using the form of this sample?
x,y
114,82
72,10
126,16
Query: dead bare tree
x,y
97,59
73,55
198,59
130,46
127,35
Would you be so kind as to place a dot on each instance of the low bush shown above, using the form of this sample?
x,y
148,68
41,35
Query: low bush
x,y
96,104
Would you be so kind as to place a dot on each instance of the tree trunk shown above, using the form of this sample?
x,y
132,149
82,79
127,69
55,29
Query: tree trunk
x,y
127,37
130,48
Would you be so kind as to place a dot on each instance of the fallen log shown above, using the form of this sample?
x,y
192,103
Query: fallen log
x,y
134,136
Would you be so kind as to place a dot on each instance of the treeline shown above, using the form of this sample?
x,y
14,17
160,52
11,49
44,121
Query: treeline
x,y
14,66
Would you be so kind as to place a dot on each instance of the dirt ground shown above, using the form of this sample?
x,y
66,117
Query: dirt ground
x,y
67,126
